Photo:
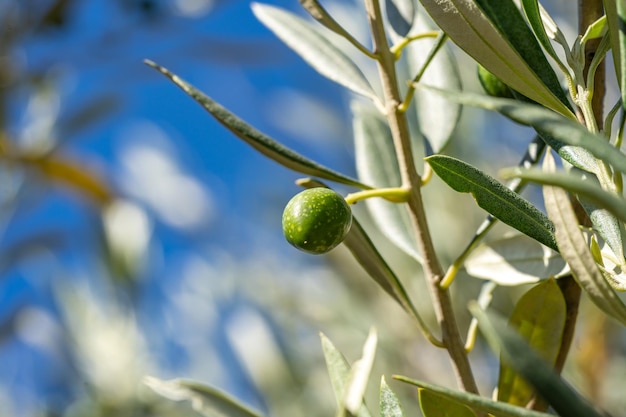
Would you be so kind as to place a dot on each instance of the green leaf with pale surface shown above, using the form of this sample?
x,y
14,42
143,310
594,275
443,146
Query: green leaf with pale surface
x,y
376,163
315,48
339,371
436,405
360,374
206,400
259,141
517,353
539,317
575,250
504,204
389,404
474,401
574,142
538,19
514,260
473,32
615,17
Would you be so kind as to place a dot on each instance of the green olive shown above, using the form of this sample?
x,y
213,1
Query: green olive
x,y
316,220
492,84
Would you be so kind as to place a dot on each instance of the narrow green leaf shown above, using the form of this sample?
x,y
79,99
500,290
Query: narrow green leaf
x,y
533,14
389,404
513,348
314,47
376,163
433,404
262,143
206,400
548,123
539,317
576,253
505,15
339,372
589,191
514,260
473,32
474,401
360,374
495,198
615,18
596,30
437,118
319,13
400,14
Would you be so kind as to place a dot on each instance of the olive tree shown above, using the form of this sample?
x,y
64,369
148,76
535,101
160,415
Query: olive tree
x,y
402,123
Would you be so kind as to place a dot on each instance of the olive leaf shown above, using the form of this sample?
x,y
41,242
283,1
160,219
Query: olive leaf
x,y
206,400
616,16
504,204
519,355
389,403
474,401
539,317
339,371
537,18
315,48
259,141
473,31
401,15
433,404
376,163
514,260
360,374
574,249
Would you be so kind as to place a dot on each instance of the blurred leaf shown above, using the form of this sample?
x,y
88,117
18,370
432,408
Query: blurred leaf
x,y
539,317
574,249
473,32
514,260
615,17
437,117
507,18
474,401
69,173
206,400
504,204
91,112
339,372
262,143
401,14
315,48
550,126
389,404
376,163
436,405
517,353
360,374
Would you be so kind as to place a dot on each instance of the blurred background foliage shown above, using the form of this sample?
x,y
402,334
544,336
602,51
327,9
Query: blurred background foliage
x,y
139,238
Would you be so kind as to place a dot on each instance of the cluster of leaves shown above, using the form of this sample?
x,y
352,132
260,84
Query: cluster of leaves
x,y
580,248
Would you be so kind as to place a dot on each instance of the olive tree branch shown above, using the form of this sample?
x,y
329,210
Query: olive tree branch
x,y
412,181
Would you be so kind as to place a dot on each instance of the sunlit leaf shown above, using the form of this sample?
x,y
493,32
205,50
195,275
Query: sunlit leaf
x,y
339,372
360,374
539,317
389,404
574,249
504,204
259,141
435,405
308,41
519,355
514,260
570,139
505,15
472,30
400,14
474,401
437,117
207,400
376,163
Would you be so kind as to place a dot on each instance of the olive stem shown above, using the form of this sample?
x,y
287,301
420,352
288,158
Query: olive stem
x,y
395,194
411,180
